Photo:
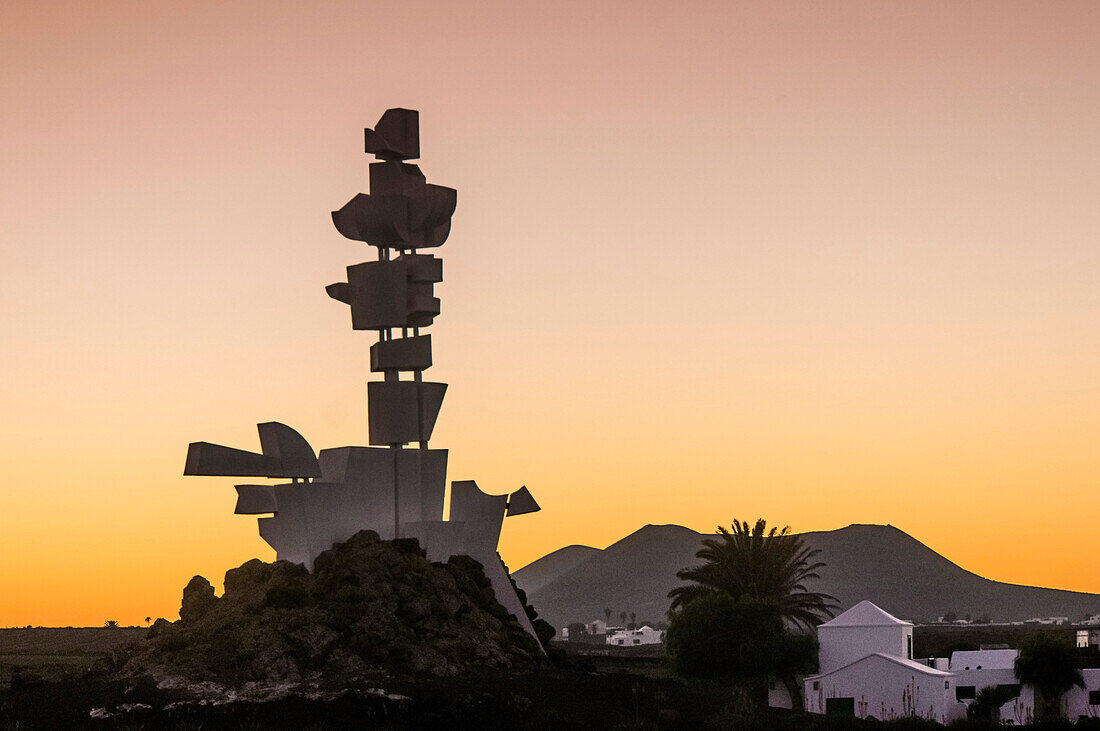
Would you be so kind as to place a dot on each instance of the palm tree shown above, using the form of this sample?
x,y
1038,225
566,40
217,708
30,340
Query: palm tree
x,y
622,618
607,613
1048,663
111,624
760,565
633,620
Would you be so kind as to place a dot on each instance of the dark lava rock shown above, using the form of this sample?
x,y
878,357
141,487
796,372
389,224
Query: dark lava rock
x,y
369,607
198,599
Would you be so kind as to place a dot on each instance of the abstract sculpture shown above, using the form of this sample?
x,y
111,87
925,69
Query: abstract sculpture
x,y
397,492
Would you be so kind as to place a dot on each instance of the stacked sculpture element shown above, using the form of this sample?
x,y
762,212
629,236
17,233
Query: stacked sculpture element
x,y
397,492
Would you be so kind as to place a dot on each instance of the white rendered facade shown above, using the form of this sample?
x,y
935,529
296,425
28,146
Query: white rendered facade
x,y
978,669
885,687
861,631
644,635
1080,703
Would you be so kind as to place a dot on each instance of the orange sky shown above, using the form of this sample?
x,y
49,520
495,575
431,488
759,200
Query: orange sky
x,y
821,262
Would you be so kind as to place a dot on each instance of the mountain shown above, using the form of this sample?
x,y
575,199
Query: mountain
x,y
538,574
876,562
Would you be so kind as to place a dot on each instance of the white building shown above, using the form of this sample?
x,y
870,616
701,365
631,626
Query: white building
x,y
1078,703
886,687
866,669
1086,637
644,635
978,669
861,631
597,627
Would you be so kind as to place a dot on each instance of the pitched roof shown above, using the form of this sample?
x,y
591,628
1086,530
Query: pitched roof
x,y
911,665
866,614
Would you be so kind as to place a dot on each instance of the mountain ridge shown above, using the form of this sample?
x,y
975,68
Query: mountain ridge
x,y
881,563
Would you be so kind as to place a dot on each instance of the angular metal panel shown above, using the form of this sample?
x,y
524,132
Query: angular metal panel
x,y
396,178
392,411
402,354
214,460
381,220
432,403
423,267
396,136
403,221
421,307
255,500
482,513
433,482
521,502
289,449
339,291
379,294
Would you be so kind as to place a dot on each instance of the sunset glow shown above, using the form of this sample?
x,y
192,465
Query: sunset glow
x,y
822,263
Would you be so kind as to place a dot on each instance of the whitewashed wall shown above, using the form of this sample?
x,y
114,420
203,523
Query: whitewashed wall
x,y
842,645
886,689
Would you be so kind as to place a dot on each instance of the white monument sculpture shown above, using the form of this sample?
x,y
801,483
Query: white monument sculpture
x,y
397,492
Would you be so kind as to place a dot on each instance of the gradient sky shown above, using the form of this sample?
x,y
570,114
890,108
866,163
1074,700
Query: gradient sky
x,y
825,263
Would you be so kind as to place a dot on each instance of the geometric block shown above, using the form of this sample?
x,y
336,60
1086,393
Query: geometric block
x,y
402,354
431,401
483,514
403,221
521,501
283,535
381,220
379,294
368,474
255,500
430,214
290,449
399,412
395,178
421,307
423,267
340,291
433,482
286,453
396,136
204,458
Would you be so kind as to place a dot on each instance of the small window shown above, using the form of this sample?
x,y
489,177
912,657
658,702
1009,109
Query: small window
x,y
817,685
840,706
946,684
621,642
965,692
637,642
909,646
1094,697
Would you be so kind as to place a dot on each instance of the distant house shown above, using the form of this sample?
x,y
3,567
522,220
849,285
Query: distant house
x,y
597,627
867,669
644,635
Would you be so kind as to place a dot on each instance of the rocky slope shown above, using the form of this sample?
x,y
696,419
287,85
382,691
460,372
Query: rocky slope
x,y
370,607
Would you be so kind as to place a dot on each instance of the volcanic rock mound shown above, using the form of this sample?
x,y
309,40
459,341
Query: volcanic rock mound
x,y
369,607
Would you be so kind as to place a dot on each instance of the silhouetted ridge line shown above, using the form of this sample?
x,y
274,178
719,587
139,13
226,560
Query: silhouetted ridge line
x,y
880,563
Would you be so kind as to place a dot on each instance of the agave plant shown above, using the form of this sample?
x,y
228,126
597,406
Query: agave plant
x,y
758,564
